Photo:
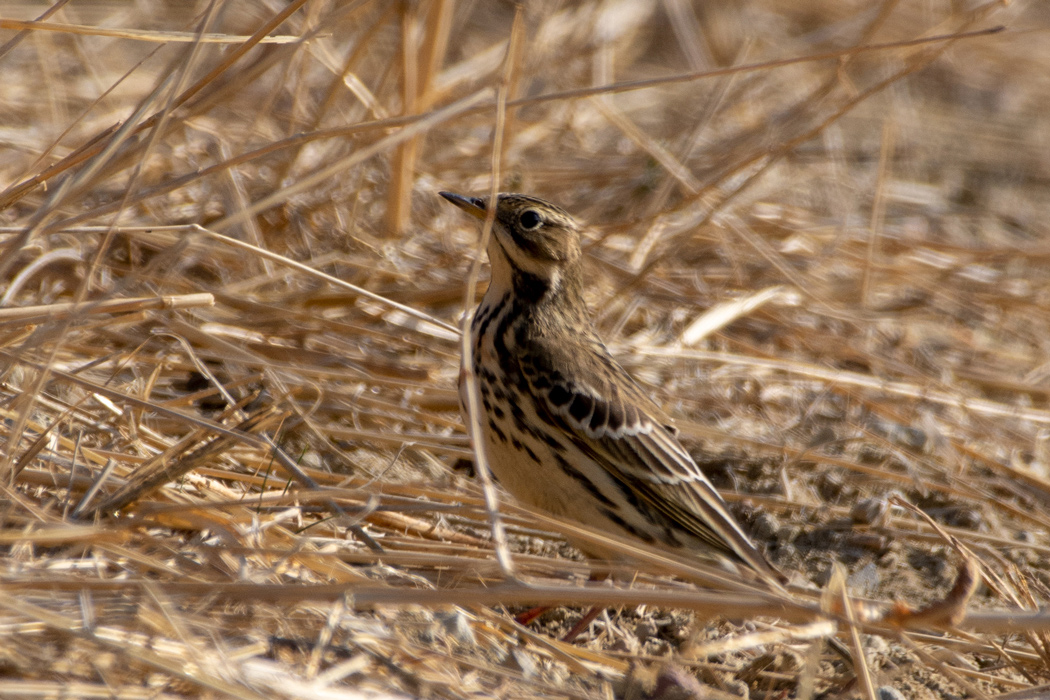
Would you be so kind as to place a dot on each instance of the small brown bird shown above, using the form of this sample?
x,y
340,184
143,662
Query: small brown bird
x,y
564,428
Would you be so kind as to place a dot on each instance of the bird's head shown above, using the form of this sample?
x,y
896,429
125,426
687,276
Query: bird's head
x,y
537,238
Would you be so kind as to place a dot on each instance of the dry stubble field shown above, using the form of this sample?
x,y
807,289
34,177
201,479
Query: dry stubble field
x,y
818,230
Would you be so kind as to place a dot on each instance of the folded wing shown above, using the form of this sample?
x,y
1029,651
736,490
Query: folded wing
x,y
624,431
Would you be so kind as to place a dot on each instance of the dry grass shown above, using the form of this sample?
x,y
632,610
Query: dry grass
x,y
237,383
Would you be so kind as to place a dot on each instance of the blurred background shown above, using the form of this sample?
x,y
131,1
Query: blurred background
x,y
816,230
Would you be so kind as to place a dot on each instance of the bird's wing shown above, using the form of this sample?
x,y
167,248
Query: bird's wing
x,y
588,395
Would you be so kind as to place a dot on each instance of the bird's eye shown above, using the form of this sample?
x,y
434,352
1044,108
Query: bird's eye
x,y
529,219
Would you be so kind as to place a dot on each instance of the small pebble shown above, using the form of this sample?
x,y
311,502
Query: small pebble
x,y
765,526
645,630
887,692
866,579
876,644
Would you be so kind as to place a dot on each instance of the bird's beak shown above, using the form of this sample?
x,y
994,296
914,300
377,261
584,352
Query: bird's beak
x,y
475,206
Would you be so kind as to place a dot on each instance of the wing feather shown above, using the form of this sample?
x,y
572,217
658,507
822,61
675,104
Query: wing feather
x,y
624,431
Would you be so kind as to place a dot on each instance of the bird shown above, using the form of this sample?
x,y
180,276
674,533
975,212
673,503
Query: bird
x,y
564,428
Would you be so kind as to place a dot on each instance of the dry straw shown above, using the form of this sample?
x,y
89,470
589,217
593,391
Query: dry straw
x,y
232,456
